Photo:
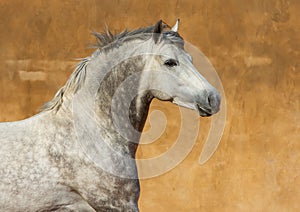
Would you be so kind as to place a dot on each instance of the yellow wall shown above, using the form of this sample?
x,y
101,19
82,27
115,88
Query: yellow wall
x,y
255,48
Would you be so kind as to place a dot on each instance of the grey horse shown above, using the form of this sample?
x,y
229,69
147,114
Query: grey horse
x,y
78,153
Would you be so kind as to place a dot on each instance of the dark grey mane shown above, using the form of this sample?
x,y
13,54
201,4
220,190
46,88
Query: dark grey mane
x,y
107,41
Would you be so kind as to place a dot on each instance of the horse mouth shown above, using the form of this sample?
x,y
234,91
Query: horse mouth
x,y
203,112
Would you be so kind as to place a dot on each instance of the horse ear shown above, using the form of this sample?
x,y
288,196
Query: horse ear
x,y
176,26
157,30
158,27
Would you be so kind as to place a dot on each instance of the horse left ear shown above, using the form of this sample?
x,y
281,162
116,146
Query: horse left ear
x,y
158,28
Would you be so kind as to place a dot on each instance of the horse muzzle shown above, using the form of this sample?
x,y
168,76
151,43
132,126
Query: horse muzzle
x,y
210,105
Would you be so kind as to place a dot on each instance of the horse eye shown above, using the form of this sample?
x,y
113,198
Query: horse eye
x,y
171,62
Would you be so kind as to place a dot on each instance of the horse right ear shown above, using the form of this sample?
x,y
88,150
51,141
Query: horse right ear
x,y
157,30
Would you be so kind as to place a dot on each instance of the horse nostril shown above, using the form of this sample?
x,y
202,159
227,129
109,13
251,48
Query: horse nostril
x,y
209,100
213,100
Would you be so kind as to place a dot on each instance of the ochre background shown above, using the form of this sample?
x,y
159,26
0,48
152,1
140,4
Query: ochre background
x,y
254,46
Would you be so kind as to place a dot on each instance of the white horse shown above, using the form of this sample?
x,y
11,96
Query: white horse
x,y
78,153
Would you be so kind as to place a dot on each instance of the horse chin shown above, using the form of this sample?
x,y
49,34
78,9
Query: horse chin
x,y
202,112
161,96
187,105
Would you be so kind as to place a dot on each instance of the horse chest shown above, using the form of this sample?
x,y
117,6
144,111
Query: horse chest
x,y
102,190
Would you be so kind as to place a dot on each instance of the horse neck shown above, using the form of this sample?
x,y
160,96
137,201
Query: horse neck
x,y
120,106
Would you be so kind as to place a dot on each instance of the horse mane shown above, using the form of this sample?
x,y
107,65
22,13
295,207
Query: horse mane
x,y
105,42
74,83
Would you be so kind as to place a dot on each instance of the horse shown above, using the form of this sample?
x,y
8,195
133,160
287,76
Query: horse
x,y
78,152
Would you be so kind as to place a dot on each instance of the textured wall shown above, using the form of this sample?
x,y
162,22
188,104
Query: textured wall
x,y
254,46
